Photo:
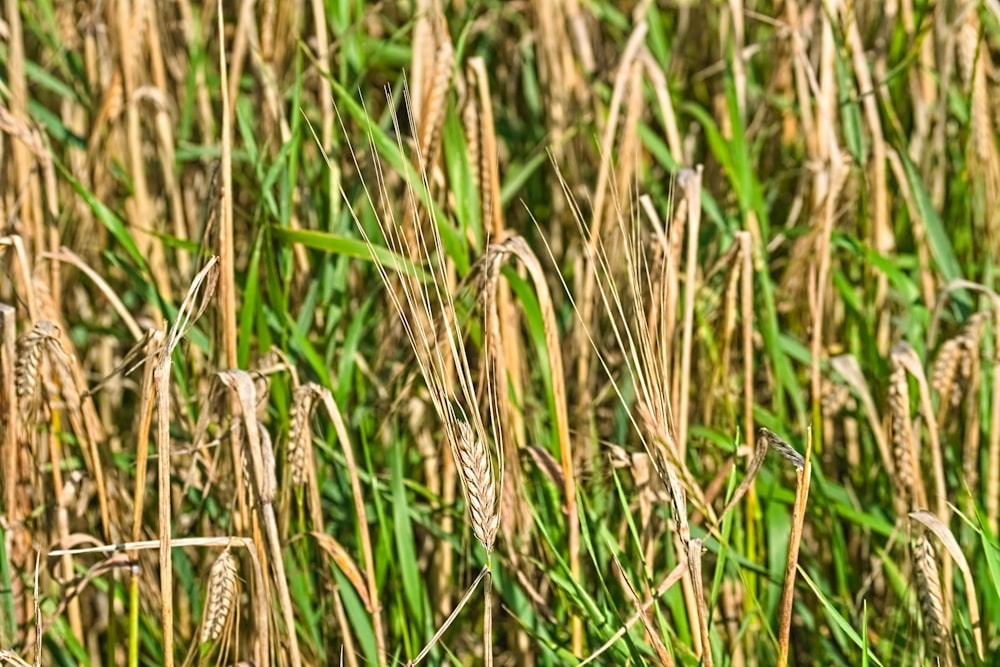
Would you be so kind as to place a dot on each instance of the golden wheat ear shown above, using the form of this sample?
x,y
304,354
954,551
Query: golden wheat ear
x,y
220,598
476,469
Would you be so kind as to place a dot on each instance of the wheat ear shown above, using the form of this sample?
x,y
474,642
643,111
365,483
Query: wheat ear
x,y
929,591
476,470
304,401
29,359
220,597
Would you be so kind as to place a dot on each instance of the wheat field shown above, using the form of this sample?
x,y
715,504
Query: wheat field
x,y
530,333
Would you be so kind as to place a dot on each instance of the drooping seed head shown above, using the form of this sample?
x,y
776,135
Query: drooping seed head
x,y
220,597
476,470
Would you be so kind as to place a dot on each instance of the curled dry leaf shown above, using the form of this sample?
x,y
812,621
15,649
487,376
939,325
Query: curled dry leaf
x,y
346,564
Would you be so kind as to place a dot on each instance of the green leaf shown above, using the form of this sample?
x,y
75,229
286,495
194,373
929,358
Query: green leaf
x,y
351,247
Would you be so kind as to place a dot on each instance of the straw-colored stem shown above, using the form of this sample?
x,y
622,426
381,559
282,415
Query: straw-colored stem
x,y
18,97
587,297
552,341
8,399
802,478
746,312
142,433
451,618
694,569
227,268
161,379
692,194
359,508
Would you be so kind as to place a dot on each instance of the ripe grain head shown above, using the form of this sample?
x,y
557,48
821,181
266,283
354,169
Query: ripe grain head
x,y
475,467
29,359
909,483
929,592
304,400
220,598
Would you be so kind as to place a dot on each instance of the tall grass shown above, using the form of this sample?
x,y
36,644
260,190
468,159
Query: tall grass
x,y
430,299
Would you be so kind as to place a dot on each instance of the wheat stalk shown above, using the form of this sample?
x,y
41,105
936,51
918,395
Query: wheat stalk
x,y
428,315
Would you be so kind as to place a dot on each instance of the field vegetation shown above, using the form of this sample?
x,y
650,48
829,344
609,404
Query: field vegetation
x,y
542,332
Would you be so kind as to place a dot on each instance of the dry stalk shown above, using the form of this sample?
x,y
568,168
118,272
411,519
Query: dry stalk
x,y
993,460
11,421
68,256
849,369
431,325
505,347
818,286
662,654
881,230
434,60
690,183
359,508
26,283
150,348
766,441
746,314
672,578
226,252
907,357
485,572
517,246
803,472
488,167
140,206
224,542
503,344
658,80
9,657
261,455
647,355
15,506
83,419
970,372
342,559
189,311
587,299
694,552
19,96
